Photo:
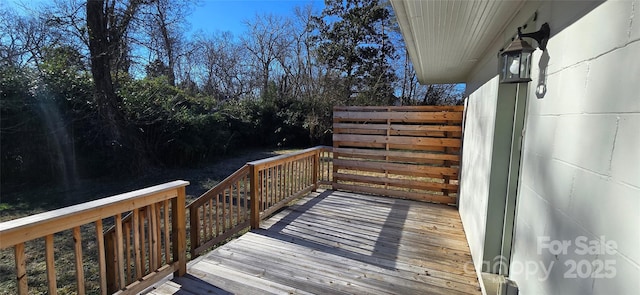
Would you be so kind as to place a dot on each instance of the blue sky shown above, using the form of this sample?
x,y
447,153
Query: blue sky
x,y
229,15
216,15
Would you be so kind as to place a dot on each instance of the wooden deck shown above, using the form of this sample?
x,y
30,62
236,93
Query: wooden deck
x,y
334,242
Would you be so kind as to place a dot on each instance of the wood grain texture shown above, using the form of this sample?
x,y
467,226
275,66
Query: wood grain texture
x,y
333,242
50,222
51,268
21,268
77,241
406,152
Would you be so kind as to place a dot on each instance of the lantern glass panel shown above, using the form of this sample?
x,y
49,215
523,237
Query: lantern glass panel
x,y
525,66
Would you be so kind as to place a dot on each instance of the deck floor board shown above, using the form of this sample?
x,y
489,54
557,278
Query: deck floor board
x,y
340,243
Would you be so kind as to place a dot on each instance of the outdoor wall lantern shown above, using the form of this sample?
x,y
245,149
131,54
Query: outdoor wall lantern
x,y
515,60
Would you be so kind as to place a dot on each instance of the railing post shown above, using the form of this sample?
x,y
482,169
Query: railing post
x,y
179,232
255,200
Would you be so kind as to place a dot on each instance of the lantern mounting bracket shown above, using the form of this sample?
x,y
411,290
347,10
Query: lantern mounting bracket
x,y
541,36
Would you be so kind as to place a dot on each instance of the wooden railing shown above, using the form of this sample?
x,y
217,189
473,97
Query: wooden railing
x,y
325,165
269,184
156,213
220,213
278,180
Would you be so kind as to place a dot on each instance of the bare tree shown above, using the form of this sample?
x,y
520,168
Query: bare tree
x,y
267,41
23,39
164,22
223,66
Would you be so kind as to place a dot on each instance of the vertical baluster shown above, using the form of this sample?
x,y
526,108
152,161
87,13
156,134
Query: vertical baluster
x,y
231,208
127,251
316,169
217,214
225,210
111,259
276,185
120,252
290,176
297,176
194,228
245,181
285,179
158,234
102,263
77,245
149,232
137,262
305,169
238,203
204,223
281,182
305,180
210,212
270,183
165,206
265,191
140,264
51,268
21,268
260,188
153,242
309,170
269,188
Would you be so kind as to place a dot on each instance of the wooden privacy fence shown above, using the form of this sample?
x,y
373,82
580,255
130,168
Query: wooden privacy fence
x,y
409,152
157,213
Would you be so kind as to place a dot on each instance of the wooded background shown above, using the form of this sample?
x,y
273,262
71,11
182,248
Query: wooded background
x,y
116,87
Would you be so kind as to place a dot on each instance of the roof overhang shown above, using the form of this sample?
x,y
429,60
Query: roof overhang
x,y
446,39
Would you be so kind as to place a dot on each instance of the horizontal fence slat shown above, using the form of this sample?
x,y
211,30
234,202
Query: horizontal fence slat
x,y
412,156
407,117
396,182
396,127
353,144
399,140
402,169
397,193
398,132
459,108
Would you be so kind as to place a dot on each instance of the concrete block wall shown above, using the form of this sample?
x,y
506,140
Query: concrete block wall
x,y
580,169
580,173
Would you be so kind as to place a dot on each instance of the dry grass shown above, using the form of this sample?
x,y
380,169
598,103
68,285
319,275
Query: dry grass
x,y
29,202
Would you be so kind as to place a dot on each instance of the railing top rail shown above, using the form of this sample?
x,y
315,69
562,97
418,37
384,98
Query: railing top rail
x,y
31,227
235,176
264,163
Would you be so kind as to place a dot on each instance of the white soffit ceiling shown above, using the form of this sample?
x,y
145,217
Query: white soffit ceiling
x,y
446,38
